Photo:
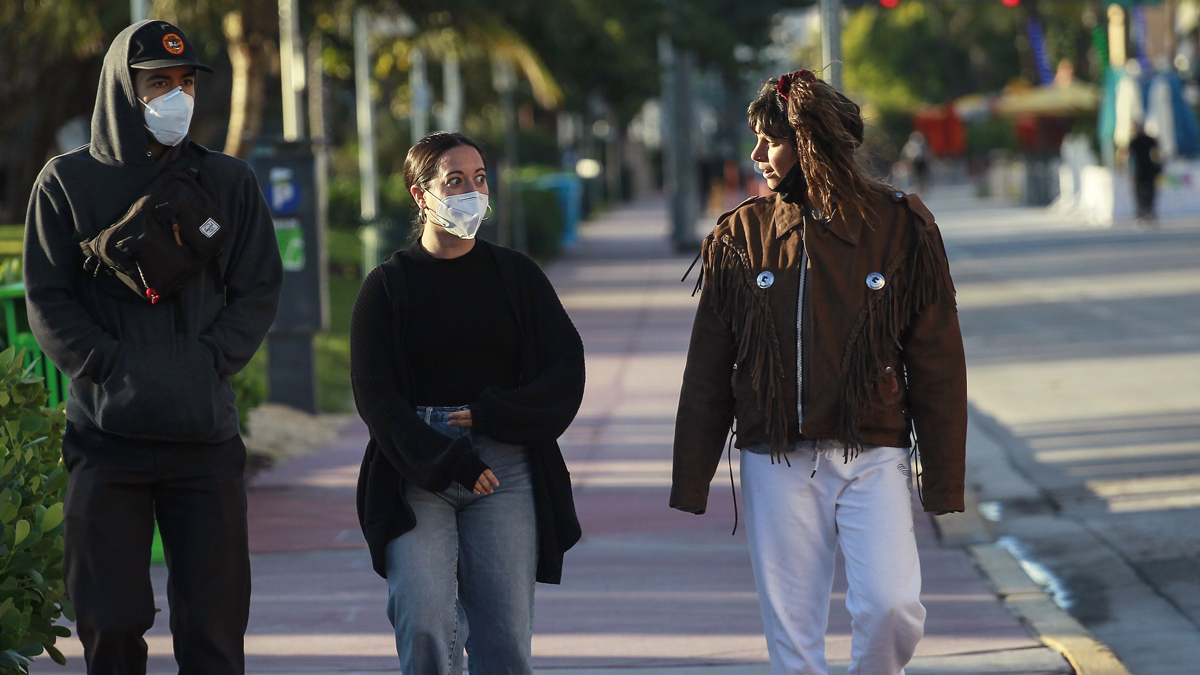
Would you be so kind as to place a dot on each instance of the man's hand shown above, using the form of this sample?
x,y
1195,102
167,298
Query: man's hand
x,y
460,418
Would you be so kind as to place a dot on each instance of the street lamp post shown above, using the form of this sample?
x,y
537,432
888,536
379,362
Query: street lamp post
x,y
291,69
512,218
831,41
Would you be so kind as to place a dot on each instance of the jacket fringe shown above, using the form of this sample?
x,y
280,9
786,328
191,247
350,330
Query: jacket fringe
x,y
727,277
915,281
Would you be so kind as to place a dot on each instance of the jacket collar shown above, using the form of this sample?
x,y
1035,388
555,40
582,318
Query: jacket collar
x,y
846,225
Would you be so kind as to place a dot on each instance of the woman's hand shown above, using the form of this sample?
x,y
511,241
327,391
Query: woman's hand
x,y
460,418
487,482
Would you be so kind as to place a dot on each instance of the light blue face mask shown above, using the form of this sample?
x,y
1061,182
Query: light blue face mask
x,y
462,214
169,116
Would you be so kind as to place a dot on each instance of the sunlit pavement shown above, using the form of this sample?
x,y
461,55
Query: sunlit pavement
x,y
1084,353
648,589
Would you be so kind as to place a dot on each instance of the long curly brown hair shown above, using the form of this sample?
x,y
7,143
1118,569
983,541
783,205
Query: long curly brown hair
x,y
827,129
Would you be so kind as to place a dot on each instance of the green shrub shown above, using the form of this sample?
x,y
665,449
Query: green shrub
x,y
33,485
250,386
543,222
10,271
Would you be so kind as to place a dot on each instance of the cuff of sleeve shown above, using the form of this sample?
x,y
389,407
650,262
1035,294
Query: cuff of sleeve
x,y
468,470
480,418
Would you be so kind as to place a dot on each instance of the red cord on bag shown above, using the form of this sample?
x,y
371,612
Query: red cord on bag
x,y
152,295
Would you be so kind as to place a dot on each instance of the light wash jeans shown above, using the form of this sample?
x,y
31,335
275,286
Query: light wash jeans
x,y
470,561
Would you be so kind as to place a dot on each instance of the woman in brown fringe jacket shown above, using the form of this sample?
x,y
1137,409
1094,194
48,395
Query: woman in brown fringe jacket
x,y
827,329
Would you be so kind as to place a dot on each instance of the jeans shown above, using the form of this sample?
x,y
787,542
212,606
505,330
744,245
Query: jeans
x,y
470,562
118,487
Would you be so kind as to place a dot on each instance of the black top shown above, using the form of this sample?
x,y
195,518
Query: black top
x,y
404,450
463,336
1141,149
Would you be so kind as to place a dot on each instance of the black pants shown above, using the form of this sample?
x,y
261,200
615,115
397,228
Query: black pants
x,y
118,486
1144,190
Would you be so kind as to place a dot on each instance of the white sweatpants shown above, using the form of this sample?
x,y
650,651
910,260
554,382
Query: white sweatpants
x,y
795,524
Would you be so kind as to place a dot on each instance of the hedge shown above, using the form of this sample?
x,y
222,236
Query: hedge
x,y
33,484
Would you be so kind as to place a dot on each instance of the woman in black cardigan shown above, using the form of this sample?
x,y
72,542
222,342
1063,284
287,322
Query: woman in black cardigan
x,y
466,370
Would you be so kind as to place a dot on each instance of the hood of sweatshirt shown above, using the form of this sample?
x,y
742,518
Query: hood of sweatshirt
x,y
118,123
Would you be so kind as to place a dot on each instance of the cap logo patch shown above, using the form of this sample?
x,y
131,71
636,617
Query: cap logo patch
x,y
173,43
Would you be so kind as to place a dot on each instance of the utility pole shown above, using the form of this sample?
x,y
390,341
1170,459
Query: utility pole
x,y
831,41
137,10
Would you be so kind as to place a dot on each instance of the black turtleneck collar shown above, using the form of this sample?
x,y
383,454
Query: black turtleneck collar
x,y
792,189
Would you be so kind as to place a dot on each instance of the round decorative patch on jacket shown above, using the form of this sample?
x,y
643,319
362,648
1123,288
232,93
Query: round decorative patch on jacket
x,y
765,280
875,281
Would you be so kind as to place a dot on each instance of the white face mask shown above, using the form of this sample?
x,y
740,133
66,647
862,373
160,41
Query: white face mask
x,y
460,214
169,116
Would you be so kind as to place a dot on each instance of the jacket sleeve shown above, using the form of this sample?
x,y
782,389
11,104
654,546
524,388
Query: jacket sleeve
x,y
936,370
706,408
253,278
541,409
421,455
75,342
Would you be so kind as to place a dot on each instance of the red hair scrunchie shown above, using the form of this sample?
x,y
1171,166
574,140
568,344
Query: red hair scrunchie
x,y
785,81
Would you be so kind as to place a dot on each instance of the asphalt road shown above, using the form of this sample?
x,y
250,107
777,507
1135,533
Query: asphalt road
x,y
1083,346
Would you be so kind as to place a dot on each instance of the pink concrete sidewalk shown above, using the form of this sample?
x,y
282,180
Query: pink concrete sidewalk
x,y
648,589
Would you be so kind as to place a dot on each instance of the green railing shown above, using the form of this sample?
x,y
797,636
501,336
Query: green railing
x,y
17,334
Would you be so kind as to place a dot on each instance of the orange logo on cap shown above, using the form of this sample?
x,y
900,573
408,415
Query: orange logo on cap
x,y
173,43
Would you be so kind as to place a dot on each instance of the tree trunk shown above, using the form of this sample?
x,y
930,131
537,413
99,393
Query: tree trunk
x,y
249,55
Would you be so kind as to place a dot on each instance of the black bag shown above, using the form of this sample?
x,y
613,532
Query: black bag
x,y
169,234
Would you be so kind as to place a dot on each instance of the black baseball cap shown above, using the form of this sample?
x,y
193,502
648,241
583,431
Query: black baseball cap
x,y
158,44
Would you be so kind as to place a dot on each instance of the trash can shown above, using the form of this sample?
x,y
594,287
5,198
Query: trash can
x,y
380,238
569,189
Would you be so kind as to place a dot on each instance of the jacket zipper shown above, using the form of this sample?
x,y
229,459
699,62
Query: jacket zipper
x,y
799,332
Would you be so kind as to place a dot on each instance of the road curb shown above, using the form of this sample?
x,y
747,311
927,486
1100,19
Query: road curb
x,y
1027,600
1056,628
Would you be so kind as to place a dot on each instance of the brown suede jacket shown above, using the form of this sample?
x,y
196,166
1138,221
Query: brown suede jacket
x,y
881,357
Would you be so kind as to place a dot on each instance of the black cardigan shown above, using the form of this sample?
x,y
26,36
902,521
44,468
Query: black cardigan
x,y
403,449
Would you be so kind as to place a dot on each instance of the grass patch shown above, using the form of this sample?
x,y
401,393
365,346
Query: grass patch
x,y
333,345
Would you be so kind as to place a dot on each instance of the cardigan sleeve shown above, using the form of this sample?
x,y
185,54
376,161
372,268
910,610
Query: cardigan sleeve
x,y
421,455
542,408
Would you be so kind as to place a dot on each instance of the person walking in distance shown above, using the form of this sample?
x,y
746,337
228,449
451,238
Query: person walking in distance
x,y
827,329
152,426
466,369
1146,159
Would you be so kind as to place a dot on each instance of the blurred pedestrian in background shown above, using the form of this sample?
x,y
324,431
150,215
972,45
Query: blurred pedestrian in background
x,y
1147,163
466,370
916,156
827,329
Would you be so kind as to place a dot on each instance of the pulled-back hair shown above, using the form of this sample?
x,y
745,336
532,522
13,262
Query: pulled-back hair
x,y
420,166
827,129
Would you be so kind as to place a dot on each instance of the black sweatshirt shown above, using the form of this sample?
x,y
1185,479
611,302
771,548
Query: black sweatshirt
x,y
136,370
465,336
405,450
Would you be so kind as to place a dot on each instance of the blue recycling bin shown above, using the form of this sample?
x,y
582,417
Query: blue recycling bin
x,y
569,189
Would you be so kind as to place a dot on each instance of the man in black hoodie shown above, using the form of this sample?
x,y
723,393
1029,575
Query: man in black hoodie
x,y
152,428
